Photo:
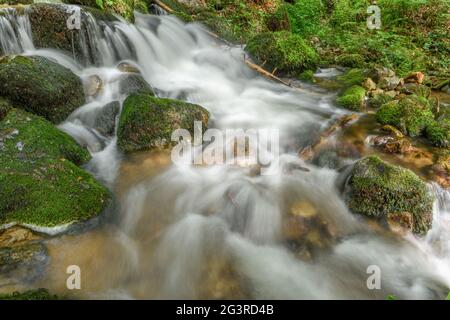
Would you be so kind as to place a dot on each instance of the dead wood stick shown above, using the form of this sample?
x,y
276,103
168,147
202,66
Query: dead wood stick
x,y
265,73
164,6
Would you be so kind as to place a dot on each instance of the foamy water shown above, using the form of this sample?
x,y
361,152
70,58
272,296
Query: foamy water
x,y
217,231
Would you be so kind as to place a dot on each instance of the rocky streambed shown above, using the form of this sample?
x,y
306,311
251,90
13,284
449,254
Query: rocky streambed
x,y
86,177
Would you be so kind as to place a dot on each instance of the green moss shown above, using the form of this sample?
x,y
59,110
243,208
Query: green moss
x,y
141,6
307,75
41,86
399,49
352,98
414,34
413,14
37,294
40,138
438,133
377,188
353,77
417,89
411,115
389,113
232,20
287,52
379,100
148,122
5,106
40,182
348,12
279,20
352,60
124,8
305,16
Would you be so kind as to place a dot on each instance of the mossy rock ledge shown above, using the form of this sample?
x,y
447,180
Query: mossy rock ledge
x,y
288,52
40,86
378,189
352,98
411,115
148,122
49,29
41,183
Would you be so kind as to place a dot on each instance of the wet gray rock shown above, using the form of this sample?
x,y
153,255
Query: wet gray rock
x,y
128,67
135,84
378,73
389,83
49,27
106,120
25,263
415,88
93,85
446,89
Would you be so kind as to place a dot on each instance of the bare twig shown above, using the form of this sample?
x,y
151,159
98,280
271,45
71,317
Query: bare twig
x,y
164,6
265,73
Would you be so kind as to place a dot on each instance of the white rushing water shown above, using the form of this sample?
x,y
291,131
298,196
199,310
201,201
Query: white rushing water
x,y
227,211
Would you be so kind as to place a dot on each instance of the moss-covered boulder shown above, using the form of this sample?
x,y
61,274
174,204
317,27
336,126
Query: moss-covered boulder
x,y
377,100
287,52
49,29
40,181
378,189
124,8
352,98
147,122
41,86
438,133
411,115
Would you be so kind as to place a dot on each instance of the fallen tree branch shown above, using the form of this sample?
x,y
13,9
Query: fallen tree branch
x,y
212,34
265,73
164,6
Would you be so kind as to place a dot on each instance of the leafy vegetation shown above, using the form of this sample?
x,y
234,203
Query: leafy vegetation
x,y
414,34
305,16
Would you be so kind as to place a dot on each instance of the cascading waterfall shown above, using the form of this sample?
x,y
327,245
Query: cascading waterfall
x,y
15,31
175,227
